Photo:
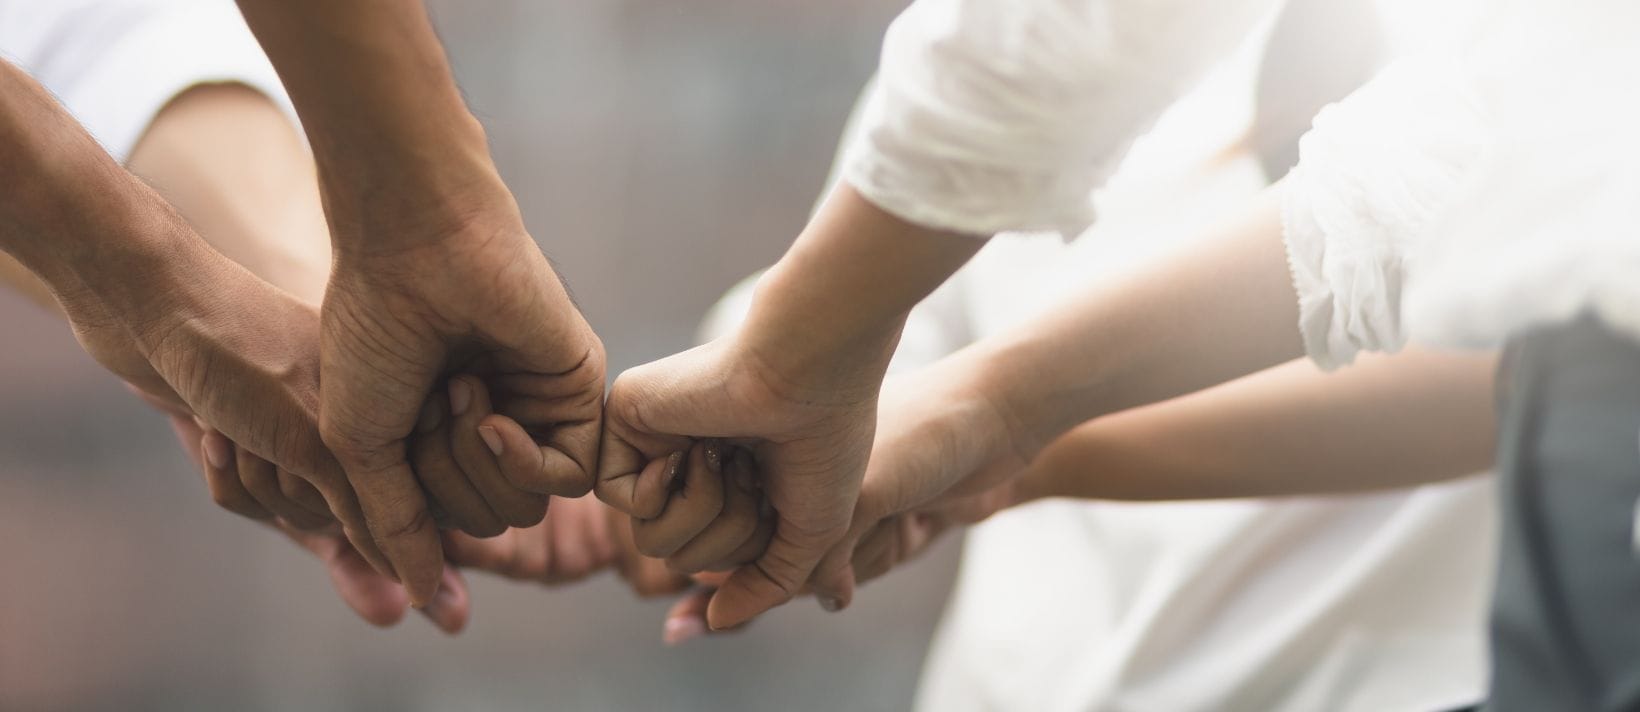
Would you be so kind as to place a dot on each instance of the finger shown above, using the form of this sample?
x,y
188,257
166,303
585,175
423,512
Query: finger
x,y
261,480
374,597
772,579
191,436
643,492
647,577
751,548
304,494
223,481
561,417
686,619
695,502
445,482
635,463
579,545
473,451
873,555
549,468
741,474
452,605
725,535
497,554
396,516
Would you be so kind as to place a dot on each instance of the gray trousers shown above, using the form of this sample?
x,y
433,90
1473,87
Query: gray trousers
x,y
1566,610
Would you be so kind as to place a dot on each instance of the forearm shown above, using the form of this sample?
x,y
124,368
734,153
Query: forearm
x,y
381,108
1388,421
235,167
1222,310
73,215
841,294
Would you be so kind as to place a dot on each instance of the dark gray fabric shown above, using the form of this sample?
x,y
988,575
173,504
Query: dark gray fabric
x,y
1566,610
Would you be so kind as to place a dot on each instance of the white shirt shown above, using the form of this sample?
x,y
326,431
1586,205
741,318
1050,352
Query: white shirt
x,y
114,64
994,115
1371,603
1469,195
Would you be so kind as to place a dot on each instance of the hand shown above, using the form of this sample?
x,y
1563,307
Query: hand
x,y
579,538
209,340
374,597
944,454
805,444
479,300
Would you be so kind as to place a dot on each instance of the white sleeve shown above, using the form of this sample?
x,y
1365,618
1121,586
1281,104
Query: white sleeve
x,y
994,115
114,64
1375,172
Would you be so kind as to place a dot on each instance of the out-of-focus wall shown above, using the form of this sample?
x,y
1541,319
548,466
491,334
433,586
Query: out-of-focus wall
x,y
660,152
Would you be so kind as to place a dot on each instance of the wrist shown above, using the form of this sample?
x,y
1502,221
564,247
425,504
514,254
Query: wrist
x,y
1016,401
807,348
413,193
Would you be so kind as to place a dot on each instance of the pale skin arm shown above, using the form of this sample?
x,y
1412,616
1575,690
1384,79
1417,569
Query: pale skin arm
x,y
976,419
1387,421
234,166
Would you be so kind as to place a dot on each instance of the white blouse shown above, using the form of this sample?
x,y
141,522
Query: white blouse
x,y
114,64
1460,199
995,115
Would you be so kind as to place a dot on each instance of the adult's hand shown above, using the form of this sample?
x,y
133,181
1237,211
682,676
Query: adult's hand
x,y
580,538
480,300
434,275
375,598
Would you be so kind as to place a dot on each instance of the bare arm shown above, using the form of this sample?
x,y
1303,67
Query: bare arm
x,y
236,169
419,217
1388,421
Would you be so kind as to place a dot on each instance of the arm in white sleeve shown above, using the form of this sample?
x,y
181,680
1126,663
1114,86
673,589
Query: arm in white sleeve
x,y
1375,172
994,115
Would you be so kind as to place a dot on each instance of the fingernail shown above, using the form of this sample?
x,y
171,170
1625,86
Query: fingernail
x,y
714,457
832,605
491,438
461,396
681,630
216,451
429,417
674,463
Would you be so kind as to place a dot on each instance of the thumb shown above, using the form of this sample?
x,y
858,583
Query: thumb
x,y
772,579
374,597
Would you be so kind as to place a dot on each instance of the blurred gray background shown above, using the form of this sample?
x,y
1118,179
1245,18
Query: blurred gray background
x,y
661,151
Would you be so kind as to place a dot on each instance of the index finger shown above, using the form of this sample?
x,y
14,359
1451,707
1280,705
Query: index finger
x,y
394,512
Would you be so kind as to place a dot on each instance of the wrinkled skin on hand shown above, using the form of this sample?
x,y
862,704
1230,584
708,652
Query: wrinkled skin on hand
x,y
374,597
481,301
209,340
